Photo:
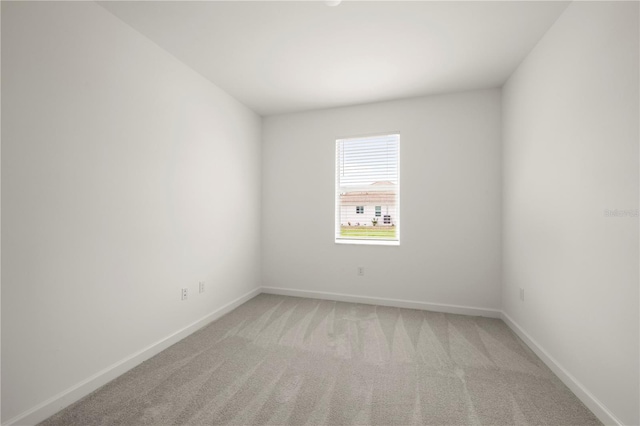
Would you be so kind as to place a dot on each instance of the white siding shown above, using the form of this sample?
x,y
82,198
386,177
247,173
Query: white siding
x,y
348,214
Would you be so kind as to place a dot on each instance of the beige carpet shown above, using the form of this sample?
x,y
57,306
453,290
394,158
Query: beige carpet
x,y
290,361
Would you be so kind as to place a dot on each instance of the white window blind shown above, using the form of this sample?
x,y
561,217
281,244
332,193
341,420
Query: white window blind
x,y
368,190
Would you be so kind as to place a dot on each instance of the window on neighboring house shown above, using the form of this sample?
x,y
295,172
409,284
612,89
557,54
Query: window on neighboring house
x,y
368,179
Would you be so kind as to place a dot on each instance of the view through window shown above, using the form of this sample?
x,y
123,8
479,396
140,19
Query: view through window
x,y
368,190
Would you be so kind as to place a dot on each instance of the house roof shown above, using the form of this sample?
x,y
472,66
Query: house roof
x,y
373,197
361,198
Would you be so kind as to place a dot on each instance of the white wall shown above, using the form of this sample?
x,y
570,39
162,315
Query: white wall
x,y
570,152
125,176
0,221
450,202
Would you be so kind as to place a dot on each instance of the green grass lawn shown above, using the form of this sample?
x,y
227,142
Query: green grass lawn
x,y
368,231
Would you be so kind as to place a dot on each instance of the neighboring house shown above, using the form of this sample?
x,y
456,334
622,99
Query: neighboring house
x,y
360,207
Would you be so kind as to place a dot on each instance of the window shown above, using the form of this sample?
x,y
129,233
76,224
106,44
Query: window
x,y
368,180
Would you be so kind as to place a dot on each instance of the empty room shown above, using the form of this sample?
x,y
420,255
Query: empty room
x,y
320,213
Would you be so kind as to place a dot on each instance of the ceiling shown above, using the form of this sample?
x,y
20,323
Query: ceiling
x,y
278,57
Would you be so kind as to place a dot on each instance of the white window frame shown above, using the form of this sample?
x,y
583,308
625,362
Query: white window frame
x,y
397,221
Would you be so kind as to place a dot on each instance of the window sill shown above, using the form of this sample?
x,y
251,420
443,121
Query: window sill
x,y
367,242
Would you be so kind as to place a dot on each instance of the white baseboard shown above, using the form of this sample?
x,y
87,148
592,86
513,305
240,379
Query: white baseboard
x,y
84,388
396,303
601,412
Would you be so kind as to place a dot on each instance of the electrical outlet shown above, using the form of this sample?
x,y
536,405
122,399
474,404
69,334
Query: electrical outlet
x,y
201,286
360,270
522,294
185,293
